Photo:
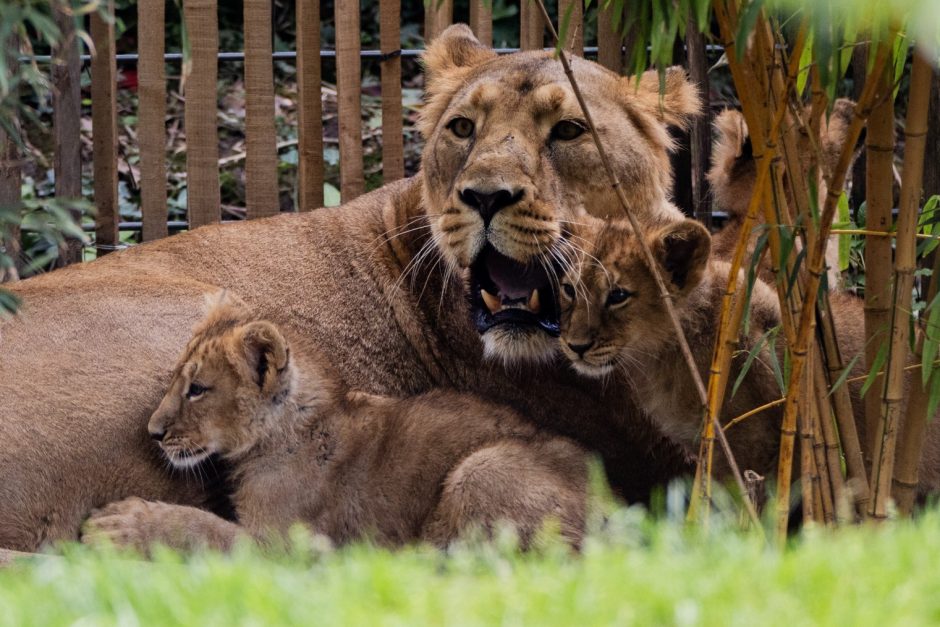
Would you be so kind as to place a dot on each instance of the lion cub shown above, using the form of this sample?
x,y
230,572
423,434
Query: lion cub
x,y
347,465
613,320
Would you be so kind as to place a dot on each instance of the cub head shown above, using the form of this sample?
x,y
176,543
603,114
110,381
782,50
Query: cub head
x,y
234,373
733,172
611,309
509,164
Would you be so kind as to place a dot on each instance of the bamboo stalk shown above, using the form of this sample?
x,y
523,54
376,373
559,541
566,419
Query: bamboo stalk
x,y
651,262
915,134
799,350
879,183
914,426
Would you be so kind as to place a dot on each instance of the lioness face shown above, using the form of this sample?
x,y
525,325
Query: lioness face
x,y
220,400
612,313
509,166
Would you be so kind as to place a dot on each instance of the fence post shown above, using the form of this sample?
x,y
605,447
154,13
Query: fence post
x,y
609,39
481,20
531,26
700,136
393,159
10,175
104,130
310,107
261,187
349,87
438,15
151,133
574,39
202,138
66,124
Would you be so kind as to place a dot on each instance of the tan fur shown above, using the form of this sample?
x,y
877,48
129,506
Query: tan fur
x,y
87,361
348,466
733,174
635,342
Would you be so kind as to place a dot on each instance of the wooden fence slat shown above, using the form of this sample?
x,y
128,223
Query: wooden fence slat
x,y
393,159
261,187
700,136
531,26
10,182
151,134
66,121
309,103
104,130
481,20
348,88
574,39
201,111
609,40
438,15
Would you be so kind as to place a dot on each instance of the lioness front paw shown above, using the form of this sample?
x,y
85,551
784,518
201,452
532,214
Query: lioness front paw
x,y
130,523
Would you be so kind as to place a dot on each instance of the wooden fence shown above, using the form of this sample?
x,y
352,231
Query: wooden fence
x,y
200,117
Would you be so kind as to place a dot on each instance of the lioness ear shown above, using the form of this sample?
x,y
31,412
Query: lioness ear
x,y
675,104
682,250
266,353
454,50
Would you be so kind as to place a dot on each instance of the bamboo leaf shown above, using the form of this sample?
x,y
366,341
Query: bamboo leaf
x,y
876,366
767,337
931,339
933,400
845,374
845,241
806,59
746,25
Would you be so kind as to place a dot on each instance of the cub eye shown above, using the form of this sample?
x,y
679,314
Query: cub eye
x,y
618,296
568,289
196,390
566,130
461,127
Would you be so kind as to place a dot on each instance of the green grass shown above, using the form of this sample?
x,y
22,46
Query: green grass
x,y
635,571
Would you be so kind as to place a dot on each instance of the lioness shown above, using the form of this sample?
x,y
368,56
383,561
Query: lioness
x,y
614,324
381,284
304,448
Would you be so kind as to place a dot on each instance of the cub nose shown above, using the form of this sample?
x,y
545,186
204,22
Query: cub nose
x,y
580,349
157,436
488,203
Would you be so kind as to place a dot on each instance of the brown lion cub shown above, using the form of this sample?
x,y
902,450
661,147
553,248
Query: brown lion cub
x,y
347,465
613,320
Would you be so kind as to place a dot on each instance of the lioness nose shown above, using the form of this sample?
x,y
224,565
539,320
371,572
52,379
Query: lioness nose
x,y
488,203
158,435
580,349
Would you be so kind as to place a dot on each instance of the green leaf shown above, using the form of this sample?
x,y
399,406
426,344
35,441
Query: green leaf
x,y
806,60
875,367
931,339
766,338
933,400
845,241
746,26
845,374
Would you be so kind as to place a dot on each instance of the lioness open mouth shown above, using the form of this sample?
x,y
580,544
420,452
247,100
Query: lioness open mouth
x,y
504,291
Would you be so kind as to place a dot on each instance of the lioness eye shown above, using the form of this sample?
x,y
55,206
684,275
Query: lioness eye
x,y
568,289
566,130
461,127
196,390
618,296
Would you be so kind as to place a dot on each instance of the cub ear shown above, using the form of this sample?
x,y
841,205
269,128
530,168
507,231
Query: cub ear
x,y
675,104
266,354
454,50
682,250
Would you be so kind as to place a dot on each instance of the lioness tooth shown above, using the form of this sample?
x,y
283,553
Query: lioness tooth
x,y
535,305
492,302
